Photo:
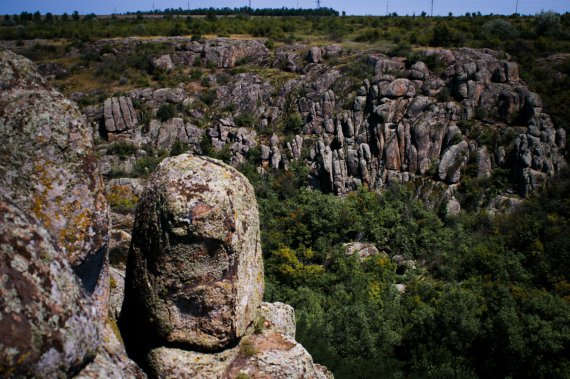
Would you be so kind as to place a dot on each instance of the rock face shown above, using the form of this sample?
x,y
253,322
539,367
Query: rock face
x,y
195,261
120,115
48,167
49,325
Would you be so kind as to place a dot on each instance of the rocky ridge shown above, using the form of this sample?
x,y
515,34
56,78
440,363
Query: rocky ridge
x,y
431,115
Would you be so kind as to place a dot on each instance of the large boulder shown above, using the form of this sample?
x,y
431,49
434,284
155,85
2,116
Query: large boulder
x,y
195,270
163,62
452,162
271,352
48,324
49,168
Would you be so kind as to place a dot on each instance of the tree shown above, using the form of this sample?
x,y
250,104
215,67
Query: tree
x,y
75,16
546,21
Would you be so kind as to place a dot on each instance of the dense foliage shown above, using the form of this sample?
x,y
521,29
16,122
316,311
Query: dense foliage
x,y
483,297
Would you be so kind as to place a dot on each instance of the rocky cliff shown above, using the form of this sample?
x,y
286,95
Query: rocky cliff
x,y
358,117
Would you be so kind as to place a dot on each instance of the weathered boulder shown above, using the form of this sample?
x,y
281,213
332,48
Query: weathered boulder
x,y
398,88
314,55
452,161
195,270
484,166
49,168
270,354
361,250
119,114
49,326
163,62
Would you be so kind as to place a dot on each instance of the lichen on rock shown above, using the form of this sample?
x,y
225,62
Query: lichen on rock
x,y
195,260
48,324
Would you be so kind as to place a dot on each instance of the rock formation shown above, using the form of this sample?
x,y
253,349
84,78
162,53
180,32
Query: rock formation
x,y
49,168
195,262
49,326
54,219
120,115
195,281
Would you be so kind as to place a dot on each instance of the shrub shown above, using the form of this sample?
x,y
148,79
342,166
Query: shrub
x,y
294,124
208,97
178,148
369,35
146,165
270,44
123,149
122,199
195,74
545,21
247,349
245,120
501,29
166,112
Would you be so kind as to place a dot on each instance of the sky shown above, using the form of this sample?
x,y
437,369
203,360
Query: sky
x,y
352,7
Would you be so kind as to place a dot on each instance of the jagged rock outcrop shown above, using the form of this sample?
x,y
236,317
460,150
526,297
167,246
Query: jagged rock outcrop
x,y
248,94
399,129
163,135
49,325
119,115
221,52
48,167
195,263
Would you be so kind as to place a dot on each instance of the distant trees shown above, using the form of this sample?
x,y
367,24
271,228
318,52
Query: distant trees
x,y
546,21
500,28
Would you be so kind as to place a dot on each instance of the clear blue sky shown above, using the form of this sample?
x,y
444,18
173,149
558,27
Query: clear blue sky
x,y
358,7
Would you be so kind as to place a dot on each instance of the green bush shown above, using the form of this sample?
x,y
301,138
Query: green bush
x,y
166,112
123,149
294,124
245,120
208,97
